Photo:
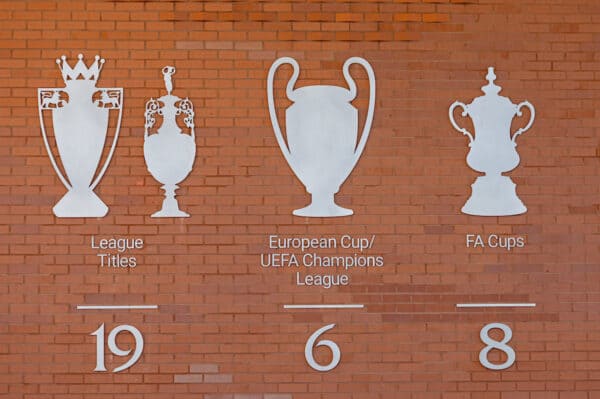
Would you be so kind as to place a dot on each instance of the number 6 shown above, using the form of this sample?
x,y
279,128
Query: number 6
x,y
310,344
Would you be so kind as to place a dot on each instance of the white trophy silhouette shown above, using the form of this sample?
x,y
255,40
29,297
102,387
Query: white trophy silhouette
x,y
493,150
169,153
80,116
322,135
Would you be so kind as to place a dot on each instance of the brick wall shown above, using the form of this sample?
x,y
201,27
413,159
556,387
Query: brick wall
x,y
220,331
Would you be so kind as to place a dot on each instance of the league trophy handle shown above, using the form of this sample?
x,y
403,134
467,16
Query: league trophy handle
x,y
114,142
152,107
455,125
520,113
352,86
62,177
187,108
289,92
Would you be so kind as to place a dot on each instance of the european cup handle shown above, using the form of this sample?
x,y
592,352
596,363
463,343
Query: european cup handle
x,y
464,113
114,143
370,111
289,92
62,177
520,113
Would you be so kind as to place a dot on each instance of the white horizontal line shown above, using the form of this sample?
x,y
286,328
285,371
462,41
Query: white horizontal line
x,y
325,306
495,305
115,307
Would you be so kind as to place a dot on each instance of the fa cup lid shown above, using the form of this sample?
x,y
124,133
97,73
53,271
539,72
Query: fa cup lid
x,y
491,90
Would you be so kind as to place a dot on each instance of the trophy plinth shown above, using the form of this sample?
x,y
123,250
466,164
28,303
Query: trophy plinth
x,y
494,196
170,206
323,205
80,203
80,117
322,135
169,153
492,150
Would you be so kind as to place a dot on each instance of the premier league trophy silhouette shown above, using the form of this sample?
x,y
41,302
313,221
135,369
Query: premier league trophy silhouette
x,y
80,116
169,152
493,150
322,135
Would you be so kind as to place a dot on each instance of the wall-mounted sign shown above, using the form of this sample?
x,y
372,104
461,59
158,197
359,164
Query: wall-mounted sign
x,y
169,152
493,150
80,115
322,135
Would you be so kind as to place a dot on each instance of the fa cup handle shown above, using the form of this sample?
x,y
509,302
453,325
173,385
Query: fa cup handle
x,y
531,118
464,113
289,92
352,86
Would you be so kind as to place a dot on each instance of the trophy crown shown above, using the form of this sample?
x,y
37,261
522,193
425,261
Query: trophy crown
x,y
80,71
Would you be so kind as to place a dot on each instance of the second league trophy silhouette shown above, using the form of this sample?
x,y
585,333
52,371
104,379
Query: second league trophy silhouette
x,y
80,118
493,150
322,135
169,153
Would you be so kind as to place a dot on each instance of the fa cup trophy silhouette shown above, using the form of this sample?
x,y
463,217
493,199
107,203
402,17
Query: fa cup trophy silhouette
x,y
80,118
322,135
493,150
169,152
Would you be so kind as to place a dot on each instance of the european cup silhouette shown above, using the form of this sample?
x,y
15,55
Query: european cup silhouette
x,y
322,134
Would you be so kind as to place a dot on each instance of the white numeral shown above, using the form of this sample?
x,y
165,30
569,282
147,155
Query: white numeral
x,y
112,345
310,344
493,344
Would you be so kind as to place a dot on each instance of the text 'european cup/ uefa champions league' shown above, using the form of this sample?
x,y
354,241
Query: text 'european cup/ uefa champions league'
x,y
493,150
80,118
322,134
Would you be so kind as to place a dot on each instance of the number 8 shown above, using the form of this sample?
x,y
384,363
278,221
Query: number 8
x,y
493,344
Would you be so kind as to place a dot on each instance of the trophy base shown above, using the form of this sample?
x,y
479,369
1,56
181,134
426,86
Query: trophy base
x,y
323,206
494,196
168,213
80,204
170,206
